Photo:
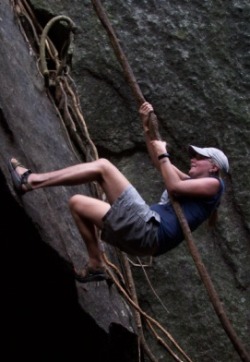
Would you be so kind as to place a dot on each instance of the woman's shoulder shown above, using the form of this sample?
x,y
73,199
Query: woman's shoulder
x,y
221,181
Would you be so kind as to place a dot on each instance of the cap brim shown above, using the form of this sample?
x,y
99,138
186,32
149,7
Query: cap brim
x,y
193,150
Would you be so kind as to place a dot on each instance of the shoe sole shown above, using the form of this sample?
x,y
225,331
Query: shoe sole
x,y
91,278
16,179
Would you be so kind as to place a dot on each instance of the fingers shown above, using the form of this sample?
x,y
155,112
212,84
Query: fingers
x,y
145,108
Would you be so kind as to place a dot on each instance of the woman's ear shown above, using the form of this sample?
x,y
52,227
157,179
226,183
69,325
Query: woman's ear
x,y
214,169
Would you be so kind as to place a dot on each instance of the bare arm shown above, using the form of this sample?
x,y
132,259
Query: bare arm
x,y
203,186
144,112
176,181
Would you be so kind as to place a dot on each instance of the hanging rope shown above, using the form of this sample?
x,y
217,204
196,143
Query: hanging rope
x,y
154,134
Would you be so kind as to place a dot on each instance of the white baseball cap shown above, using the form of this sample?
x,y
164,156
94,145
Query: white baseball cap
x,y
218,157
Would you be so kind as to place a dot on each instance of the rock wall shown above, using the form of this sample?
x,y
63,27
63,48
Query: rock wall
x,y
191,60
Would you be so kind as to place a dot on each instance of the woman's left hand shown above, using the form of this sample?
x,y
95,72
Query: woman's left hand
x,y
159,147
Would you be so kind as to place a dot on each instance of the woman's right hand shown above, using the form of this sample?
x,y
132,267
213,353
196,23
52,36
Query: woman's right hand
x,y
145,108
144,111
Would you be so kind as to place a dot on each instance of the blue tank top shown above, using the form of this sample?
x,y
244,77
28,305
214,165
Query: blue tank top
x,y
196,211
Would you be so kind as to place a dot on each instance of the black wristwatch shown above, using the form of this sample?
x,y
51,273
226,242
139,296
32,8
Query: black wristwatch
x,y
163,155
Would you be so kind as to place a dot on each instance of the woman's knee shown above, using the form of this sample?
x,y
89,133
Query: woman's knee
x,y
104,164
75,202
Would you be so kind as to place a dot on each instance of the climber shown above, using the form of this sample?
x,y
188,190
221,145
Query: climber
x,y
126,221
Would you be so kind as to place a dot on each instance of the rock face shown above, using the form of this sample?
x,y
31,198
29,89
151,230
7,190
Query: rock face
x,y
191,61
40,238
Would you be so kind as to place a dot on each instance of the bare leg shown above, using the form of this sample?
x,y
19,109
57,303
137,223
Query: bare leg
x,y
88,213
109,177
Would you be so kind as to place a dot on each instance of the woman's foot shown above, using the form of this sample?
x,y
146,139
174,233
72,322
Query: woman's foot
x,y
90,274
19,175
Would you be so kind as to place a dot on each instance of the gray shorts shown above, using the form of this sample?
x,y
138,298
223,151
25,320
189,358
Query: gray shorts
x,y
130,225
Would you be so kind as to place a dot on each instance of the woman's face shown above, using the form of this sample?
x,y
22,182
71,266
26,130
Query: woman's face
x,y
200,166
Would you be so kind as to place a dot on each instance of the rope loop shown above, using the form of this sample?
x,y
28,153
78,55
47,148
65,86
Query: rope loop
x,y
68,50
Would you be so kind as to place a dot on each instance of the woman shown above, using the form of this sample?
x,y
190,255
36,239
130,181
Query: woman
x,y
127,222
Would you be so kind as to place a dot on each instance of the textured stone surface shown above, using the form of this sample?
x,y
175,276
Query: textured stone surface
x,y
191,60
39,238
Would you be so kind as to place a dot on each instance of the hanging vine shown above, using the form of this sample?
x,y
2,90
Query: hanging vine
x,y
62,93
154,134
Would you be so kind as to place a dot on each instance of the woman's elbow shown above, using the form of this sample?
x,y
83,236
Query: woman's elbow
x,y
172,189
